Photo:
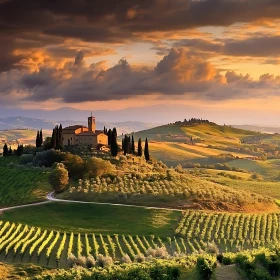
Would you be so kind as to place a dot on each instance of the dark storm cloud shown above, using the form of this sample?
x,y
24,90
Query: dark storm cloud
x,y
259,46
117,21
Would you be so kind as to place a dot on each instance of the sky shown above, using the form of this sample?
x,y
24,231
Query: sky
x,y
215,55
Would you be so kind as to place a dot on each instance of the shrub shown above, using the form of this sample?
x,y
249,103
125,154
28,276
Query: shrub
x,y
212,248
126,259
59,177
71,260
90,261
103,261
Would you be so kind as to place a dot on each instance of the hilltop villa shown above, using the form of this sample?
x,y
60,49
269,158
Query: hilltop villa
x,y
81,135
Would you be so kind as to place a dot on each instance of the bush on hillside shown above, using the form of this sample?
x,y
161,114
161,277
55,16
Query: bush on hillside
x,y
97,167
48,158
59,177
75,165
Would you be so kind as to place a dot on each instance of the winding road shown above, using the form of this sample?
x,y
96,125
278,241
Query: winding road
x,y
50,198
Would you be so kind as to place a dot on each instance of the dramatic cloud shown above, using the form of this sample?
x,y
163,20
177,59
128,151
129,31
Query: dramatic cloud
x,y
177,74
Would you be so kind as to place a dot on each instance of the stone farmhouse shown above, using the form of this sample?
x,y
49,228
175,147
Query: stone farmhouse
x,y
81,135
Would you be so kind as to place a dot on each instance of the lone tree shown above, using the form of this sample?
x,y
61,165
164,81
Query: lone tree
x,y
38,140
114,144
5,150
41,137
140,149
146,150
59,177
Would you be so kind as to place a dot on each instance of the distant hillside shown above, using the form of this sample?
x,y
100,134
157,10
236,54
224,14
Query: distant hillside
x,y
263,129
205,133
204,144
20,122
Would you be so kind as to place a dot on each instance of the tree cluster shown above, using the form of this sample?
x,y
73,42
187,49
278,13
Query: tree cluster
x,y
128,147
9,152
39,139
56,141
193,121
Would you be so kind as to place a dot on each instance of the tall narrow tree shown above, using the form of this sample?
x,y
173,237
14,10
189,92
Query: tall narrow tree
x,y
126,145
109,137
53,139
140,149
5,150
60,137
114,144
38,139
146,150
41,137
132,145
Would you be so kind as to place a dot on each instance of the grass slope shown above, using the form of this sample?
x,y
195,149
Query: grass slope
x,y
207,133
96,218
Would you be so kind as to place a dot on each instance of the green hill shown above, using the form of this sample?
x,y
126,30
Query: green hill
x,y
208,133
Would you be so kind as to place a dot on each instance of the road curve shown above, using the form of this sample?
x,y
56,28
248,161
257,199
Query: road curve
x,y
50,197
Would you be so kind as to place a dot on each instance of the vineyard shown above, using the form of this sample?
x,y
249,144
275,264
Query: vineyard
x,y
231,231
22,185
21,243
196,232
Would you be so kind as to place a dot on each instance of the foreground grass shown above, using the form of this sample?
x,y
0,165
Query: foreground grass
x,y
107,219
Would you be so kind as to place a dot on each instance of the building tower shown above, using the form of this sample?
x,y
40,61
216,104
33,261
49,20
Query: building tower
x,y
91,123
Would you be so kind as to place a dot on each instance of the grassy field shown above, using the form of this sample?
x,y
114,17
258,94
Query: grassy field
x,y
240,181
203,133
103,219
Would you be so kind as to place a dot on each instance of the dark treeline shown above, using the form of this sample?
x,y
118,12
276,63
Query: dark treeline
x,y
56,141
128,147
193,121
39,139
9,152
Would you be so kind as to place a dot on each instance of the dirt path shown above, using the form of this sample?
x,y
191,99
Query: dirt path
x,y
50,197
227,273
22,206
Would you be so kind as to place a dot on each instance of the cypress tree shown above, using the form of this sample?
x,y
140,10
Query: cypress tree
x,y
114,144
132,145
140,150
5,150
10,151
122,144
38,139
126,145
146,150
109,137
104,130
60,137
57,137
53,140
41,138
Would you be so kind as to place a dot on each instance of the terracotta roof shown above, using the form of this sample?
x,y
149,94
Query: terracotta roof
x,y
73,127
